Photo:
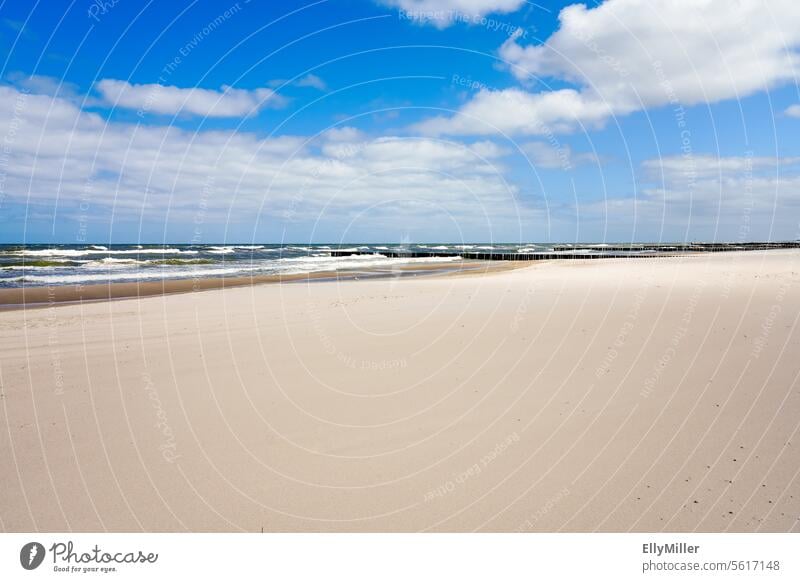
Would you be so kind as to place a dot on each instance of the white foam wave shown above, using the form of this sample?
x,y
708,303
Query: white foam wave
x,y
121,269
112,262
85,252
296,265
139,275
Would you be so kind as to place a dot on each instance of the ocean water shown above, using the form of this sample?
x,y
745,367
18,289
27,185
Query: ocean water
x,y
43,265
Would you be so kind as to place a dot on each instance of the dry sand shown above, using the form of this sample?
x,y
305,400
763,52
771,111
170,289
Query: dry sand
x,y
647,395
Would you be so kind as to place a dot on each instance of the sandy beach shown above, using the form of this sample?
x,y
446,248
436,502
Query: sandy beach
x,y
613,395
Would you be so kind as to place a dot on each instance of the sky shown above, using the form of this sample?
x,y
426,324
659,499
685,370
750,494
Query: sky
x,y
399,121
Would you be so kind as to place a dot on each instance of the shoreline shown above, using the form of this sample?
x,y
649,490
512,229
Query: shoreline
x,y
43,296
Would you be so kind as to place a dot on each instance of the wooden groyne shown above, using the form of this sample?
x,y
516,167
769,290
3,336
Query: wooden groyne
x,y
493,256
568,252
684,247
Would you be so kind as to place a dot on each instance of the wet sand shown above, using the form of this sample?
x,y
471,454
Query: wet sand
x,y
43,296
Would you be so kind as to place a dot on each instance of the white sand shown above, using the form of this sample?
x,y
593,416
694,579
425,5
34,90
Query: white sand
x,y
647,394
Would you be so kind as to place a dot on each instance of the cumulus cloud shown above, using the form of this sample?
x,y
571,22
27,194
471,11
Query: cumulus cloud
x,y
793,111
312,81
344,133
443,13
515,111
626,55
556,155
56,152
169,100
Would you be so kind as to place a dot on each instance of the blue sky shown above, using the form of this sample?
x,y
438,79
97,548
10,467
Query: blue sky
x,y
396,120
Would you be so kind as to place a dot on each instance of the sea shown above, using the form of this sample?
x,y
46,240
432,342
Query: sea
x,y
51,265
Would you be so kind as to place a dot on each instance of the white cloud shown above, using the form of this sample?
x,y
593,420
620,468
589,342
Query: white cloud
x,y
627,55
793,111
44,85
556,155
344,133
670,168
701,197
443,13
713,189
514,111
169,100
56,151
312,81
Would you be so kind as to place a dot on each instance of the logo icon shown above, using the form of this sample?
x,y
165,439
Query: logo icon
x,y
31,555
